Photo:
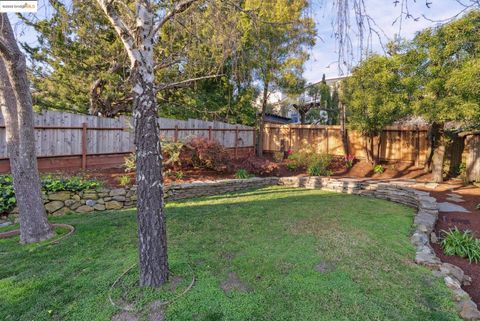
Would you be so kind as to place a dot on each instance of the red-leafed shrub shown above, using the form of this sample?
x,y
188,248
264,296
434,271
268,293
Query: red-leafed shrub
x,y
256,165
201,152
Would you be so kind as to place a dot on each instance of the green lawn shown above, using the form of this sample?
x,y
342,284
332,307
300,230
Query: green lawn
x,y
290,254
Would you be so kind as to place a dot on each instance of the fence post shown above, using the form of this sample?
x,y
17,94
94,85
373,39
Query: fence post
x,y
84,145
236,142
175,135
209,132
326,133
254,141
417,147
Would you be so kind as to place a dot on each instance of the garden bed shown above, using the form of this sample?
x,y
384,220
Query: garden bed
x,y
464,221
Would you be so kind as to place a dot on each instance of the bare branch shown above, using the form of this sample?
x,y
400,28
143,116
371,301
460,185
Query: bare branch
x,y
178,8
185,83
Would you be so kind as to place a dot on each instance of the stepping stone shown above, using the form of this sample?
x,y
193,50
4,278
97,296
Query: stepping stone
x,y
450,207
454,195
455,199
431,185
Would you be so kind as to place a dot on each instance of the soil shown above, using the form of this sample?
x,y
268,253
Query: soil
x,y
464,221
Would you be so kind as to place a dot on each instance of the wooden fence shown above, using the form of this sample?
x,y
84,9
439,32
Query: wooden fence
x,y
406,144
473,158
65,140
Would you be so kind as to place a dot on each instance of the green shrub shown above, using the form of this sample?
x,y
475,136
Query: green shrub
x,y
292,166
378,169
7,194
242,174
129,163
278,157
318,165
71,184
124,180
179,174
463,244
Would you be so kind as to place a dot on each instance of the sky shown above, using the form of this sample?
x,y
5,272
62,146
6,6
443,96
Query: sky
x,y
323,56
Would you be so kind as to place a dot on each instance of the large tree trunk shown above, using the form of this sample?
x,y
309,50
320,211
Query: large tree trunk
x,y
262,120
456,148
436,156
19,124
369,148
343,129
152,234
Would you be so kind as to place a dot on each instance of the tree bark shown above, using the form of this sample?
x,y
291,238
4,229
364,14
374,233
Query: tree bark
x,y
456,150
262,120
18,114
343,129
438,149
369,149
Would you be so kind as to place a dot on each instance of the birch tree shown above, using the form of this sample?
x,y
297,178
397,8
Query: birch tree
x,y
16,108
143,27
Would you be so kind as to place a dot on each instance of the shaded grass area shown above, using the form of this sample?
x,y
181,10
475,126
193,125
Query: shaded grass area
x,y
267,254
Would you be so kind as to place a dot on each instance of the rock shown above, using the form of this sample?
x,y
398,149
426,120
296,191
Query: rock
x,y
118,192
90,196
113,205
452,270
76,197
84,209
61,212
452,283
100,201
469,310
450,207
119,198
433,238
59,196
431,185
53,206
69,202
75,205
427,259
90,202
99,207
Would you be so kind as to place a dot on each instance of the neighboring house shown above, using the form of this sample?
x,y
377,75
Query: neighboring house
x,y
279,104
276,119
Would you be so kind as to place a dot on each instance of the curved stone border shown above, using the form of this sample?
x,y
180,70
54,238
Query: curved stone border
x,y
424,223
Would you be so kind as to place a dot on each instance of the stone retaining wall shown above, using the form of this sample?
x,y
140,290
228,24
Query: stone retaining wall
x,y
60,203
424,224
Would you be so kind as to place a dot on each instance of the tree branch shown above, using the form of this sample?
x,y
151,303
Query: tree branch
x,y
185,83
179,8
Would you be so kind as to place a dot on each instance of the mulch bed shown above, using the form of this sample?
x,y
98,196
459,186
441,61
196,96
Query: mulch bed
x,y
464,221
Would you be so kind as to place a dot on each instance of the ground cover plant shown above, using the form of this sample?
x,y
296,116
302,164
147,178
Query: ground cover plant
x,y
266,254
463,244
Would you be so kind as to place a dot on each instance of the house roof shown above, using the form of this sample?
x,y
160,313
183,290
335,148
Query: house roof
x,y
276,119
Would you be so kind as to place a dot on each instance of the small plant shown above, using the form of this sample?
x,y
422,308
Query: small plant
x,y
478,206
179,175
349,160
7,194
292,167
463,244
72,184
124,180
278,157
378,169
242,174
129,163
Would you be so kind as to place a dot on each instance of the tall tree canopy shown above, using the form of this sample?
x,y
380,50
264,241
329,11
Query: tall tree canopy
x,y
279,38
375,96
